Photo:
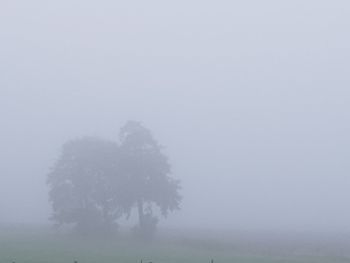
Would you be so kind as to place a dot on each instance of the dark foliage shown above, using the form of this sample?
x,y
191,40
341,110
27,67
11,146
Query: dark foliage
x,y
95,181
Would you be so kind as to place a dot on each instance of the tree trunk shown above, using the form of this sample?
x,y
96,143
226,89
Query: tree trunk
x,y
140,211
106,219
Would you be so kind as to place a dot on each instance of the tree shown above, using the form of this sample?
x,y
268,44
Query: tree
x,y
147,172
96,181
85,188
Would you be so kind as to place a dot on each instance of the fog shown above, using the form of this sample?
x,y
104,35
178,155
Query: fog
x,y
249,98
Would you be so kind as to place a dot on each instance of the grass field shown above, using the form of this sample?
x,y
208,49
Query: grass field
x,y
40,245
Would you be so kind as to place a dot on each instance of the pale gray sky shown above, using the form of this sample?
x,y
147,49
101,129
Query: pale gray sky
x,y
250,98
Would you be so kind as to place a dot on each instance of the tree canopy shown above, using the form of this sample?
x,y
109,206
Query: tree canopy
x,y
95,181
84,185
148,176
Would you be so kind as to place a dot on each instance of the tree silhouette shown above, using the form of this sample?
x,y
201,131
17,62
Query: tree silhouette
x,y
148,176
83,185
96,181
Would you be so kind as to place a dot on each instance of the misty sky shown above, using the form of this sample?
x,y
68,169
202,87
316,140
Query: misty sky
x,y
250,98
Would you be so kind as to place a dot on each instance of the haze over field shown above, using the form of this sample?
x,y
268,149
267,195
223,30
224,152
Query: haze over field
x,y
250,99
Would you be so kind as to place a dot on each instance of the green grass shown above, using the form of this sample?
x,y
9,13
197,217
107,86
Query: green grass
x,y
39,245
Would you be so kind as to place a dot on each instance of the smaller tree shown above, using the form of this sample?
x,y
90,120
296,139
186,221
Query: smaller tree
x,y
85,187
147,172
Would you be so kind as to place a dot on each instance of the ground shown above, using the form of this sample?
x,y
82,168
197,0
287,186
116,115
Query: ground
x,y
42,245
